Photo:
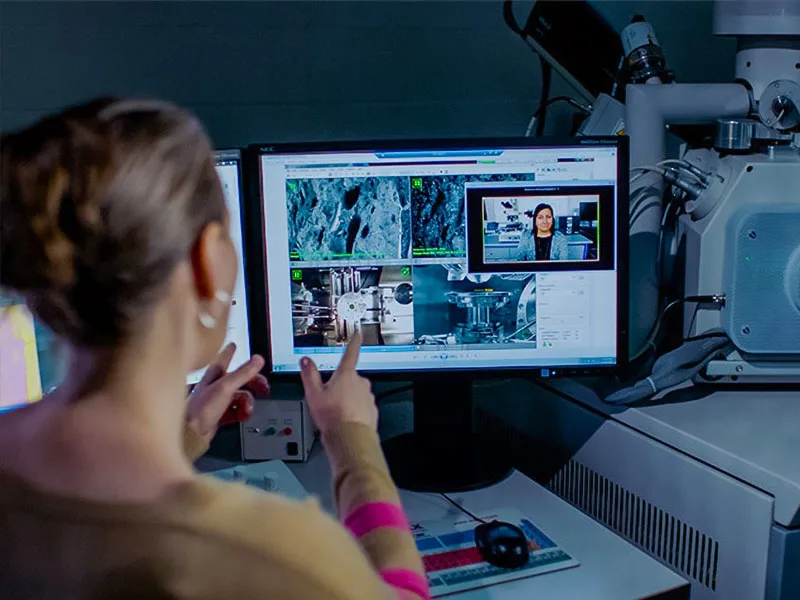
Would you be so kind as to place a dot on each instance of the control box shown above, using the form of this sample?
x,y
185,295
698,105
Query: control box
x,y
279,429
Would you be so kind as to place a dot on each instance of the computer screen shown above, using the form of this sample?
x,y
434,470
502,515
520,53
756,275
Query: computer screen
x,y
20,373
456,255
31,363
228,165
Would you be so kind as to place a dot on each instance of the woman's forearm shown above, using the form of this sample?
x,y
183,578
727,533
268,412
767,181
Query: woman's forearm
x,y
368,504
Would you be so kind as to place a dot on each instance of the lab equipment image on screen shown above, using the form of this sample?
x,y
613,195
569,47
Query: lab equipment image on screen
x,y
382,242
537,228
330,304
348,217
453,307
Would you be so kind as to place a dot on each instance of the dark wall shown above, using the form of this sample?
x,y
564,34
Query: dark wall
x,y
275,71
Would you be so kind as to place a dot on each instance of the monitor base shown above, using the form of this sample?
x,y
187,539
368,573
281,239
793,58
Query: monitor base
x,y
446,462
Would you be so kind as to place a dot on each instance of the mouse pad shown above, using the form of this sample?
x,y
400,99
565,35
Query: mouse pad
x,y
452,561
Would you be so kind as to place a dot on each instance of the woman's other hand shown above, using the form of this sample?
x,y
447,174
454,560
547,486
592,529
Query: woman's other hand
x,y
345,398
220,397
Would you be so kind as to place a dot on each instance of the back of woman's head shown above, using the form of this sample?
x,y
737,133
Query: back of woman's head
x,y
98,205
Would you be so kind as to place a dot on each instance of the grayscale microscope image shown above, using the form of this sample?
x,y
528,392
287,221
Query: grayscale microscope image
x,y
359,217
437,205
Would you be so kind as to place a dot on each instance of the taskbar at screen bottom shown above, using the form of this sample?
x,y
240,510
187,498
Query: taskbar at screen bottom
x,y
441,362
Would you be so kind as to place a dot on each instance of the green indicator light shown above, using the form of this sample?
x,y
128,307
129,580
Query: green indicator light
x,y
416,183
297,275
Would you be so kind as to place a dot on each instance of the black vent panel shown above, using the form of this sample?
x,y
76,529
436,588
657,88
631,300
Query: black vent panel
x,y
681,546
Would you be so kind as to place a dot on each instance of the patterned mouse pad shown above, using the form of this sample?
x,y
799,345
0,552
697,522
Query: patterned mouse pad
x,y
452,561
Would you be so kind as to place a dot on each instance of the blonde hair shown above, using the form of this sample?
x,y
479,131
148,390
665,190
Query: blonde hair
x,y
98,205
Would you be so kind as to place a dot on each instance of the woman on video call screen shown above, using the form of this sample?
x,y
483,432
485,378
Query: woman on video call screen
x,y
544,242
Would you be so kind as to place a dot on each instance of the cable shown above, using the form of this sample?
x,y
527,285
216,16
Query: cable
x,y
705,176
706,336
645,169
679,205
673,161
511,20
649,341
778,119
694,317
673,368
718,299
642,206
547,72
703,181
533,123
637,177
461,508
531,126
680,166
544,97
674,176
538,121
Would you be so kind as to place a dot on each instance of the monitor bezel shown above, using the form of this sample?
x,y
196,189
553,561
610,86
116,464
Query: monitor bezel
x,y
236,155
259,308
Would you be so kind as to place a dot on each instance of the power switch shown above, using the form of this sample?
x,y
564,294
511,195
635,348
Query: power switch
x,y
292,449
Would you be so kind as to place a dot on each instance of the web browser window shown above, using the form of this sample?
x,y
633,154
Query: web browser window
x,y
457,258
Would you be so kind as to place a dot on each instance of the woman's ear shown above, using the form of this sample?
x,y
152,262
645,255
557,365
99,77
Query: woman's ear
x,y
206,261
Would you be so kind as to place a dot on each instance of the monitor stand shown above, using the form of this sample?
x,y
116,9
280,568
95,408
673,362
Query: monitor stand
x,y
444,454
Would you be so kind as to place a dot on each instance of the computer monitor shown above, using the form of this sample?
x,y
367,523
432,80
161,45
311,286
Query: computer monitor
x,y
20,374
433,251
29,359
229,165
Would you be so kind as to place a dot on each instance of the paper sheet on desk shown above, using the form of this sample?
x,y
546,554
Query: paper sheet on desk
x,y
270,475
452,561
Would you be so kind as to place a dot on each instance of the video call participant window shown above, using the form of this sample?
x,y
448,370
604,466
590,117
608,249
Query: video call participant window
x,y
530,228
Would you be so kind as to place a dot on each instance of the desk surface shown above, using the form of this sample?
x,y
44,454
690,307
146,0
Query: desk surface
x,y
492,241
610,568
577,238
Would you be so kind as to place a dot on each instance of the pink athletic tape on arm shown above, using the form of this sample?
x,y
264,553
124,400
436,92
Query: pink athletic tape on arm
x,y
369,517
410,581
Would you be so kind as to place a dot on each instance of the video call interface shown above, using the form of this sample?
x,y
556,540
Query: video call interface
x,y
495,257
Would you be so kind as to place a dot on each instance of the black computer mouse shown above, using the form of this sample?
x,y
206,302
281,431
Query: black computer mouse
x,y
502,544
